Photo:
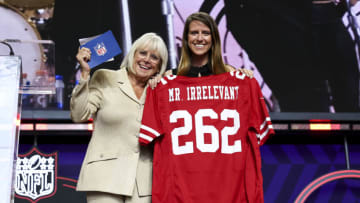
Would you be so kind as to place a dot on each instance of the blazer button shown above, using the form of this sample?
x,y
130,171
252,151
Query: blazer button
x,y
101,156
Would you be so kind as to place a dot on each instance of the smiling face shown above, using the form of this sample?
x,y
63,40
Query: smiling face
x,y
199,41
146,63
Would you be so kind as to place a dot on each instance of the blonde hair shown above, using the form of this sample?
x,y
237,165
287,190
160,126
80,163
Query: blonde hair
x,y
151,41
215,57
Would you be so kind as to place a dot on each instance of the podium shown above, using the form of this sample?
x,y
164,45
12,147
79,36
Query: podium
x,y
12,72
10,108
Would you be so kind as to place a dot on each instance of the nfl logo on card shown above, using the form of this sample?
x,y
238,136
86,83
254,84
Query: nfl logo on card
x,y
100,49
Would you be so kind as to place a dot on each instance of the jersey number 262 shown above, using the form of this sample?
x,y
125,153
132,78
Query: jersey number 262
x,y
201,129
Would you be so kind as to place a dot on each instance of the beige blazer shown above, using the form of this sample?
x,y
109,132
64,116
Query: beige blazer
x,y
114,160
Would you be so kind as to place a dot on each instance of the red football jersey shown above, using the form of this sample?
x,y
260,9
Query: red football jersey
x,y
207,133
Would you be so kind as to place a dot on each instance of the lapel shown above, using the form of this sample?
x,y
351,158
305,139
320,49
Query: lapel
x,y
125,86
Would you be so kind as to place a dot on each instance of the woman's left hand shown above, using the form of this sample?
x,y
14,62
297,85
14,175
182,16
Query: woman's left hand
x,y
247,72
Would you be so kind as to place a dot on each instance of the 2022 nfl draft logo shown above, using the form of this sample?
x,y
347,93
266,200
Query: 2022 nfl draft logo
x,y
36,175
100,49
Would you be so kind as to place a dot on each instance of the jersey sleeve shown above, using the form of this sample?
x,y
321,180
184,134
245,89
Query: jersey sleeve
x,y
150,123
260,120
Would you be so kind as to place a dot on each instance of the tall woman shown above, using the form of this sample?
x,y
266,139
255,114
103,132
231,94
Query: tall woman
x,y
201,48
116,168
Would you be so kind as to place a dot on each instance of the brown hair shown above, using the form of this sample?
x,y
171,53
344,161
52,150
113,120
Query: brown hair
x,y
215,57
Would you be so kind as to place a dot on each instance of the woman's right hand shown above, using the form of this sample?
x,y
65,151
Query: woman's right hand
x,y
153,81
83,57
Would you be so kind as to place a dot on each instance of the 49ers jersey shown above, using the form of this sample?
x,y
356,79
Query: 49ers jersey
x,y
206,134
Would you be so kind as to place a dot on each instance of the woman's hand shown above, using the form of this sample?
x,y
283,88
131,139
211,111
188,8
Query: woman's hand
x,y
153,81
247,72
83,57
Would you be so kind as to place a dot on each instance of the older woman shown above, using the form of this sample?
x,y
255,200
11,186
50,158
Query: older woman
x,y
116,168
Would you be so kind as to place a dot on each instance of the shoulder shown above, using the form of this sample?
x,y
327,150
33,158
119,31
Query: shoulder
x,y
103,77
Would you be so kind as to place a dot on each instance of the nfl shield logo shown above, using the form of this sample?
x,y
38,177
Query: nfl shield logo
x,y
36,175
100,49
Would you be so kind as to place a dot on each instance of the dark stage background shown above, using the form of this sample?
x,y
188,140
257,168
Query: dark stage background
x,y
302,56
